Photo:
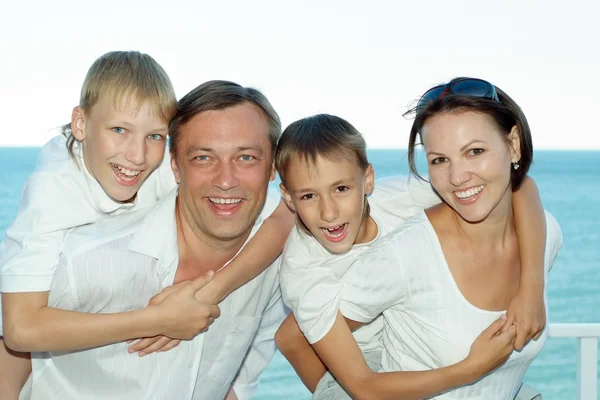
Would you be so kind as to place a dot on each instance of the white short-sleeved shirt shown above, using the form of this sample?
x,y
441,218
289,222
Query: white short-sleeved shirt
x,y
311,277
117,265
427,322
58,196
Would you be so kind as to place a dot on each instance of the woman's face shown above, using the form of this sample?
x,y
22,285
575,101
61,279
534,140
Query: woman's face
x,y
469,161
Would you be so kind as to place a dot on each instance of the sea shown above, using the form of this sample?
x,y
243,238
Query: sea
x,y
569,184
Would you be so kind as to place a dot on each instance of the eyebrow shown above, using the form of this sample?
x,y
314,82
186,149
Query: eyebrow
x,y
334,184
194,149
461,149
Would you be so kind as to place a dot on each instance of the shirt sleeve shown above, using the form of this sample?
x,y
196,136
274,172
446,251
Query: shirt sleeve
x,y
554,240
262,348
311,291
403,196
375,282
48,207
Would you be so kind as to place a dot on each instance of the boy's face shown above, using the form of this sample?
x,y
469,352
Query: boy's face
x,y
121,147
329,197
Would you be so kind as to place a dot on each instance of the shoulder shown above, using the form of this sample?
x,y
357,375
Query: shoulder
x,y
55,158
99,235
413,233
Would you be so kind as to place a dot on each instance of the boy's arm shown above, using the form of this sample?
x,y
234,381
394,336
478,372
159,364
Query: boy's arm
x,y
527,308
260,252
341,354
30,325
297,350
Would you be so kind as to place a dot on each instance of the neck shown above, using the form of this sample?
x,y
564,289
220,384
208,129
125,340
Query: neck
x,y
493,230
203,252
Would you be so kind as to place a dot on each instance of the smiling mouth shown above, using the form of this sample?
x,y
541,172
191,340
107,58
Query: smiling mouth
x,y
126,176
335,233
469,193
222,201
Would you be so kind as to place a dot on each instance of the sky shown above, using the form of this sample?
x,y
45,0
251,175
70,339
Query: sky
x,y
365,61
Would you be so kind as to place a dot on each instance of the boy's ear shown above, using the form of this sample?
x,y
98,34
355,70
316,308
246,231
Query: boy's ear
x,y
78,123
287,197
514,143
369,179
175,169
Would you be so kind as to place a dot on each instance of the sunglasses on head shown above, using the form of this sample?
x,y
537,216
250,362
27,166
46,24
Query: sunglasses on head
x,y
460,86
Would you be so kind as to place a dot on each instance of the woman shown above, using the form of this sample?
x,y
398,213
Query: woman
x,y
453,269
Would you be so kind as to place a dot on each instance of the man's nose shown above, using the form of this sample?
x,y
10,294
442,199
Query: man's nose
x,y
225,177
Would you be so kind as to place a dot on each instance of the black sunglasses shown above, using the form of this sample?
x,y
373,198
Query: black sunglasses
x,y
460,86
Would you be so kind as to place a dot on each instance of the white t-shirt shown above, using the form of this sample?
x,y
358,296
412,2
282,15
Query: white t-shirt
x,y
311,277
427,321
59,196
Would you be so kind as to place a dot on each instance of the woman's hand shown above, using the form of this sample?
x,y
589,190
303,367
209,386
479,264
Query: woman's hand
x,y
491,348
528,312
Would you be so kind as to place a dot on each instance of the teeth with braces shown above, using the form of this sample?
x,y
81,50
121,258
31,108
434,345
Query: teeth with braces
x,y
470,192
224,201
126,171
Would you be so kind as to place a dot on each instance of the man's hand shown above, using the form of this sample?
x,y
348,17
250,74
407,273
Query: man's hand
x,y
528,312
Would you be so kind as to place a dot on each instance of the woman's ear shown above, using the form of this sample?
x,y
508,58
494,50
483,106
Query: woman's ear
x,y
514,143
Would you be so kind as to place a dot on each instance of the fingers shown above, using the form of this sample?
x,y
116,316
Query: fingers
x,y
171,345
214,312
510,319
537,335
201,281
494,328
523,336
160,297
142,344
160,343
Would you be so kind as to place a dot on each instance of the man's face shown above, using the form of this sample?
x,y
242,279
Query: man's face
x,y
223,168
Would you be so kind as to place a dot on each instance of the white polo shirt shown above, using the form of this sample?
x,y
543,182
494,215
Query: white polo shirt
x,y
117,265
428,323
311,277
59,196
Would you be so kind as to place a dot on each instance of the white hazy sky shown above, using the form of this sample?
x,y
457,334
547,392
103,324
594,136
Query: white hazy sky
x,y
363,60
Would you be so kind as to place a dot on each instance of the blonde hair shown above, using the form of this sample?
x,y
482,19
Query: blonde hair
x,y
126,76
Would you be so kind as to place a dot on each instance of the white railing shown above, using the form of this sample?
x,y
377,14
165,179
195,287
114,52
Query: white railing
x,y
587,355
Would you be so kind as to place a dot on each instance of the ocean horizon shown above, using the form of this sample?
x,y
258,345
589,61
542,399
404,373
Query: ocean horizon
x,y
569,184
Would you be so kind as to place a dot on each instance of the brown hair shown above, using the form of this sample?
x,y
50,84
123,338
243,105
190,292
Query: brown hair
x,y
220,95
321,135
126,76
505,113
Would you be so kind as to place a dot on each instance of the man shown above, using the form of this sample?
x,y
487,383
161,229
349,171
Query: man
x,y
222,141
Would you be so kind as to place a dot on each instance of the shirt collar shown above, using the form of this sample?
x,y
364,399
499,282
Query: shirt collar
x,y
101,201
157,234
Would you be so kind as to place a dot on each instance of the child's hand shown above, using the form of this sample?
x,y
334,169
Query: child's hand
x,y
182,316
150,345
211,293
528,312
491,348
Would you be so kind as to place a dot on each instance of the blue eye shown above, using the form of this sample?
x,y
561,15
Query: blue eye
x,y
247,158
155,136
201,158
118,130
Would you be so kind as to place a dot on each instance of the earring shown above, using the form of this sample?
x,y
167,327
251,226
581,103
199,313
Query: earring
x,y
516,165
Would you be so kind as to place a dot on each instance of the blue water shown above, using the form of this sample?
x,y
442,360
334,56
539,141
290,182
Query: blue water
x,y
569,184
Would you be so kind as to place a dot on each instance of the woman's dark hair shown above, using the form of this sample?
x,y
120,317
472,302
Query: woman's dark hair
x,y
505,113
